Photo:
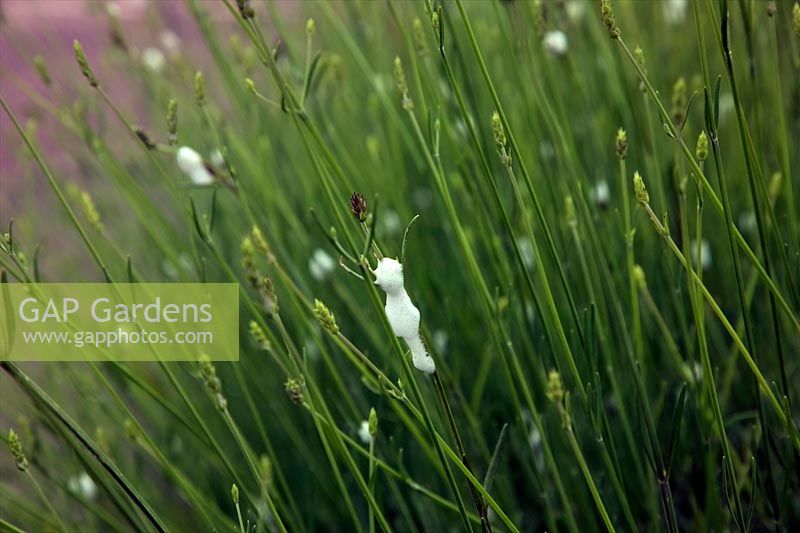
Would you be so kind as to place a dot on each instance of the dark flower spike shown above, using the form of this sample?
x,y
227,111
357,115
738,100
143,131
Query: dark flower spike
x,y
358,205
245,9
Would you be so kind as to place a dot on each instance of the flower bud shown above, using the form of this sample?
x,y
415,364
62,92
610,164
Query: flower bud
x,y
373,422
607,14
400,76
209,374
83,63
701,151
235,494
259,241
499,131
641,191
16,451
555,389
402,84
269,298
172,121
294,390
796,18
358,206
90,211
622,143
200,89
500,139
325,317
679,101
310,27
259,336
221,402
249,261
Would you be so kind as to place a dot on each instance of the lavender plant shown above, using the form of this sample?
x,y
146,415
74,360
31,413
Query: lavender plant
x,y
592,324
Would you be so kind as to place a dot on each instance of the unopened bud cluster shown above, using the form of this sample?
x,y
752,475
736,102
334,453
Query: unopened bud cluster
x,y
294,390
796,19
260,243
259,336
555,389
90,211
200,89
83,63
209,375
252,243
402,84
679,101
701,151
16,451
607,14
500,140
358,206
373,422
172,121
622,143
642,196
269,298
325,317
248,251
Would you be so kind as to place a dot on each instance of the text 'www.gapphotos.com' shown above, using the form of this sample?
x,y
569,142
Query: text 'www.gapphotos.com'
x,y
107,339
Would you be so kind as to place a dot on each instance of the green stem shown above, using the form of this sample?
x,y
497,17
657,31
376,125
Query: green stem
x,y
46,501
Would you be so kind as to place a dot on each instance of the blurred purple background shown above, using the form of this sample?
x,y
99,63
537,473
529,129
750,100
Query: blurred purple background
x,y
47,28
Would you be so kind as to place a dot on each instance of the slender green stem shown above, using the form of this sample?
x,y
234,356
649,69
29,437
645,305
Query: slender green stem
x,y
46,501
587,474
